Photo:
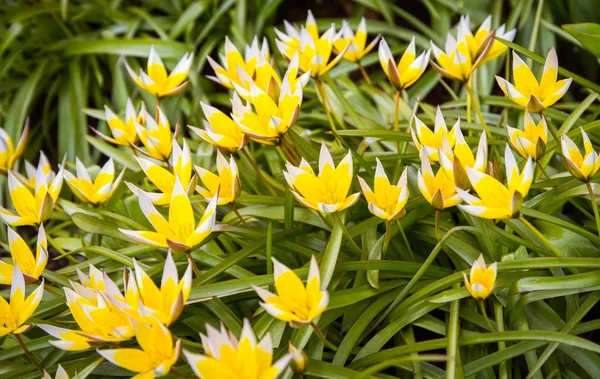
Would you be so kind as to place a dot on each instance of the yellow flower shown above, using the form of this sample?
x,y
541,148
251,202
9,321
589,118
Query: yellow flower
x,y
294,302
409,69
227,358
355,44
157,137
164,179
31,171
123,132
482,280
144,301
8,154
466,52
388,200
179,232
31,266
326,192
530,94
99,319
428,141
582,168
226,185
156,81
220,130
531,141
299,359
13,315
455,162
95,191
497,201
439,189
254,63
156,356
60,374
32,208
313,51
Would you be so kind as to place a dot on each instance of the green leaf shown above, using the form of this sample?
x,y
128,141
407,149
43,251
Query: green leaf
x,y
588,34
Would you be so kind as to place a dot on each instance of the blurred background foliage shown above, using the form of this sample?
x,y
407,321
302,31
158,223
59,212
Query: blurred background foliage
x,y
60,61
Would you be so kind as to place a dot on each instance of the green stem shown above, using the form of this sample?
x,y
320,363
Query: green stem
x,y
396,111
28,353
193,263
541,167
452,369
438,215
386,238
354,247
410,252
534,31
541,237
594,205
485,316
498,312
364,72
551,128
255,166
323,94
478,110
234,209
322,337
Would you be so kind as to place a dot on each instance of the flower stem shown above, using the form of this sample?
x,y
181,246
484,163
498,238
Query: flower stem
x,y
156,112
193,263
594,205
542,238
485,316
28,353
353,246
551,128
180,374
410,252
323,94
396,111
478,110
438,215
255,166
364,73
322,337
386,238
541,167
234,209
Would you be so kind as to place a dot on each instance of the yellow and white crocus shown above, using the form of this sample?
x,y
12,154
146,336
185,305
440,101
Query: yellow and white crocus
x,y
144,300
156,136
429,141
9,154
314,51
496,200
387,201
179,232
463,54
408,70
227,358
220,130
326,192
531,141
226,184
95,191
164,179
123,132
156,356
438,189
157,81
100,321
455,161
31,266
14,314
482,279
530,94
60,374
355,44
32,208
294,303
31,171
582,167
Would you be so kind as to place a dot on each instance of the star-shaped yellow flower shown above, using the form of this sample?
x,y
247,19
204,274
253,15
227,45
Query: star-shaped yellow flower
x,y
31,266
226,185
482,279
14,314
408,70
439,189
355,44
387,201
531,141
95,191
429,141
582,167
8,153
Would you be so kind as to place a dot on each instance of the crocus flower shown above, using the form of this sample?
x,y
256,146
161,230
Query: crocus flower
x,y
294,302
455,161
355,44
299,359
98,318
482,279
144,300
60,374
31,171
156,356
156,137
156,81
180,232
326,192
497,201
32,208
123,131
388,200
8,153
31,266
430,141
227,358
314,51
531,141
95,191
164,179
15,314
226,185
582,167
220,130
408,70
437,189
463,54
530,94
